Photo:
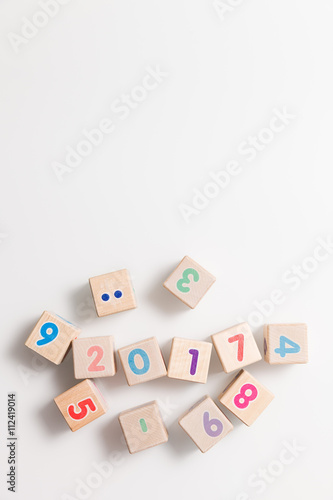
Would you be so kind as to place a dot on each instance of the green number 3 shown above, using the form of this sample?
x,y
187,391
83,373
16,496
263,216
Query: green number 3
x,y
188,272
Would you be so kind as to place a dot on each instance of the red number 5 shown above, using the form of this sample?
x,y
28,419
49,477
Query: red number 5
x,y
83,405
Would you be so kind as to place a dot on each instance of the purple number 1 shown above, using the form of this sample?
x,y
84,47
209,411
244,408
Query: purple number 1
x,y
195,354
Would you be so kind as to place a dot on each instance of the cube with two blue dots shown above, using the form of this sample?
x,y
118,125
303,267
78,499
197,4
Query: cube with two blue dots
x,y
112,292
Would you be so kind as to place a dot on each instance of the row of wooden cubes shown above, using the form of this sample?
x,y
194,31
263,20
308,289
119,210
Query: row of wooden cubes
x,y
143,427
236,348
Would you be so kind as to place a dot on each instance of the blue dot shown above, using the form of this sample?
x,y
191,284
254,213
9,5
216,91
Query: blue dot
x,y
105,297
118,294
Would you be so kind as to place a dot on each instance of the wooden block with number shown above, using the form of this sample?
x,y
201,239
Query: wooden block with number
x,y
189,360
112,292
236,347
143,427
245,397
142,361
206,424
286,344
94,357
81,404
52,337
189,282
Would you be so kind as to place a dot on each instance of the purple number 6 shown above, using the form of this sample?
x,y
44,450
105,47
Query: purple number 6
x,y
195,354
208,425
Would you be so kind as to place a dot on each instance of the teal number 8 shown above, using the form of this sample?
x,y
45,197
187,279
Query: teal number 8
x,y
185,280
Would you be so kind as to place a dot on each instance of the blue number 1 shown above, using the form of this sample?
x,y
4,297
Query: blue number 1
x,y
283,350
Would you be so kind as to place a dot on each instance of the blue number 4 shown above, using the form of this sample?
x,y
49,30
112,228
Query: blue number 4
x,y
283,350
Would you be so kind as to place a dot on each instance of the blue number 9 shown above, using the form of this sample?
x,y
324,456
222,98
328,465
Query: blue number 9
x,y
48,337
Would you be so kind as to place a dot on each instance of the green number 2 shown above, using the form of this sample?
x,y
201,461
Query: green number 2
x,y
188,272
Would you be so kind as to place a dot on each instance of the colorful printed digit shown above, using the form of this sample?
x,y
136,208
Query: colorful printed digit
x,y
195,355
47,335
185,280
283,350
94,366
210,423
242,400
143,425
145,359
240,339
84,405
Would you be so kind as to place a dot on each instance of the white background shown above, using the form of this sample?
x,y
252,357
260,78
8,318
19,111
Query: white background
x,y
120,208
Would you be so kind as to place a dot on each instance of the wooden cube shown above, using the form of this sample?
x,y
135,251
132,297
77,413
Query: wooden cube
x,y
142,361
206,424
245,397
143,427
189,282
286,344
236,347
189,360
112,292
81,404
94,357
52,337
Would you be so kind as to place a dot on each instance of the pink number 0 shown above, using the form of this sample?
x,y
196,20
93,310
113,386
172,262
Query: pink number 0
x,y
94,366
83,405
241,400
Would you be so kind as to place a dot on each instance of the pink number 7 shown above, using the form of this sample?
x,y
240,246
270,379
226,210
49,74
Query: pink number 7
x,y
240,339
83,405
